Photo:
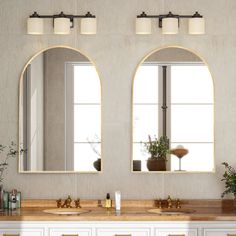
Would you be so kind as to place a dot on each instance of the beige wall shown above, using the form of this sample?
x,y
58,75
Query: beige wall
x,y
116,50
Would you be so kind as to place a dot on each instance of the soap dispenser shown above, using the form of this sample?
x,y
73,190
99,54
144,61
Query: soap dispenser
x,y
118,200
13,199
108,202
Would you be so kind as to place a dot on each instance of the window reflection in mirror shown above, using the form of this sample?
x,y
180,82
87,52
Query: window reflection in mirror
x,y
60,113
189,97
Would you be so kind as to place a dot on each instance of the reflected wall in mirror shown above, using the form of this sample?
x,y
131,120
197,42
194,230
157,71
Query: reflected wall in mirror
x,y
60,113
173,97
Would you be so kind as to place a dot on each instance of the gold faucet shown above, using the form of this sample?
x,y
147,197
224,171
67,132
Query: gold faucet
x,y
67,202
169,202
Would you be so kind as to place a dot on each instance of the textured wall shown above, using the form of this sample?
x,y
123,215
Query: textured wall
x,y
116,50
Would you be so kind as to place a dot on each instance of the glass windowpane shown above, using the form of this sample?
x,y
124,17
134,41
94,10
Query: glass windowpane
x,y
139,153
199,158
87,122
145,122
192,123
86,84
146,84
191,84
84,156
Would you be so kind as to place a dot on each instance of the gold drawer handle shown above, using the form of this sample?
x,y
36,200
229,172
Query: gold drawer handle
x,y
69,235
11,234
123,234
176,235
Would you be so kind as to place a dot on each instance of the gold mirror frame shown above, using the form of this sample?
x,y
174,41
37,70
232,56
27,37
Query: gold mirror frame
x,y
132,96
19,118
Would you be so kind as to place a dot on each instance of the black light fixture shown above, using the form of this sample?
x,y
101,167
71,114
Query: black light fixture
x,y
62,23
170,23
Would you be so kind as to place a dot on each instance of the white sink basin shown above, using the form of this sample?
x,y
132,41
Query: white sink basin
x,y
167,211
66,211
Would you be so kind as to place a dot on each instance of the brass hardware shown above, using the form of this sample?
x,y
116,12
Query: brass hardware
x,y
123,234
178,206
99,203
11,234
77,203
169,202
59,203
231,234
69,235
159,203
67,202
176,235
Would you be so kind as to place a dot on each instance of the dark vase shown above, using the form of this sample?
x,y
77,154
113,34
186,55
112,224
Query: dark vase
x,y
136,165
97,164
156,164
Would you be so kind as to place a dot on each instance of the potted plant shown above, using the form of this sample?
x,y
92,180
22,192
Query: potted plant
x,y
229,177
6,152
158,149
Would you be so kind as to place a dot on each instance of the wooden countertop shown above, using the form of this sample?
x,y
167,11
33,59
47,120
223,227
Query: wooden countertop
x,y
126,214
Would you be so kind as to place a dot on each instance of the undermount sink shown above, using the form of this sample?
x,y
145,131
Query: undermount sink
x,y
170,211
66,211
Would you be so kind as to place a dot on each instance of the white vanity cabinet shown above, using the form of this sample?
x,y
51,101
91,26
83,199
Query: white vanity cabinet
x,y
119,228
220,232
16,229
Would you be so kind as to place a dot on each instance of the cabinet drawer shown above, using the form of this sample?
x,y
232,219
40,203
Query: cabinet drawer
x,y
72,231
124,232
176,232
21,232
219,232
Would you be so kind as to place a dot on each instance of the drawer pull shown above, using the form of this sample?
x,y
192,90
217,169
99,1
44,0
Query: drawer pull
x,y
11,234
69,235
123,234
176,235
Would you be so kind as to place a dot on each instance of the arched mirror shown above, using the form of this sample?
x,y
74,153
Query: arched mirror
x,y
173,113
60,113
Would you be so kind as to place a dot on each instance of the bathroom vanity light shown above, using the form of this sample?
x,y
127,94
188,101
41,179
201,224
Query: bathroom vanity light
x,y
62,23
170,23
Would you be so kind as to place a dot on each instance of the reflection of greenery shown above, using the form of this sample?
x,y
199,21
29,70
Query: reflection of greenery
x,y
157,148
94,144
7,152
230,180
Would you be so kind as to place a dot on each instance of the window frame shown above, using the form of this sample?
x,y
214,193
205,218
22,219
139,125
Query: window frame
x,y
168,103
69,116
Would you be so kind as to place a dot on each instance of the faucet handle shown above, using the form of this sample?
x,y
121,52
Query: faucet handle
x,y
77,203
59,203
159,203
178,206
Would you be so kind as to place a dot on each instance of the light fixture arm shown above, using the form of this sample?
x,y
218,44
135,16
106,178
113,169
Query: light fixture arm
x,y
62,15
170,14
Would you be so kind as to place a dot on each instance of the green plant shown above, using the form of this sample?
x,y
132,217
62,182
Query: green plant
x,y
6,152
157,148
230,180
